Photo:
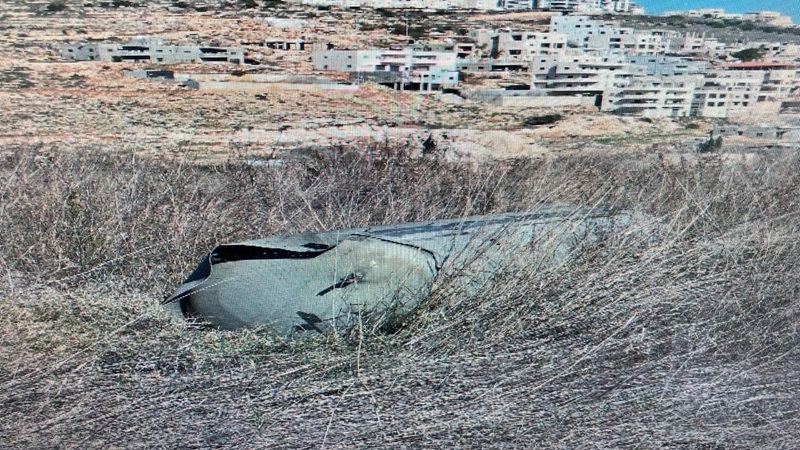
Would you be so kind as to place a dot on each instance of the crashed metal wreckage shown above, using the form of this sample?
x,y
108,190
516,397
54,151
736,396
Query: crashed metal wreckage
x,y
331,280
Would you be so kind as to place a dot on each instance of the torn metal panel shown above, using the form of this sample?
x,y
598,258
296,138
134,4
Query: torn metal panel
x,y
326,281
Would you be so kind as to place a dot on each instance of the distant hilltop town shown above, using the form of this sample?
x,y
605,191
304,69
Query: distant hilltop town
x,y
583,61
766,17
579,60
577,6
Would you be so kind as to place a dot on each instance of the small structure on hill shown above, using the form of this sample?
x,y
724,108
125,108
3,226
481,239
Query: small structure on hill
x,y
151,50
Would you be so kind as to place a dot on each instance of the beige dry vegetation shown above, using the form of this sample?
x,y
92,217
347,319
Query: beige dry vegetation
x,y
688,338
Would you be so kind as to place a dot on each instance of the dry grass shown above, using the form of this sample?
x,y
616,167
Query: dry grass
x,y
684,340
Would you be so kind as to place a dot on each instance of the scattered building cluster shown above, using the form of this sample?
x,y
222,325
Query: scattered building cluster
x,y
654,73
411,67
578,60
578,6
766,17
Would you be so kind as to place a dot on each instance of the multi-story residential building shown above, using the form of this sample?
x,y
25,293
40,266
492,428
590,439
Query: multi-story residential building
x,y
627,43
586,6
153,51
607,36
517,5
747,88
705,13
700,44
519,45
406,66
665,66
652,96
579,28
769,17
576,75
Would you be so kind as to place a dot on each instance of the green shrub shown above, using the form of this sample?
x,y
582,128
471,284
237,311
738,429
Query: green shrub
x,y
748,54
56,6
711,145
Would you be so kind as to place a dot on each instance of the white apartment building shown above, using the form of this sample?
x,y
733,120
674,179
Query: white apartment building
x,y
665,66
576,75
587,6
652,96
769,17
743,89
606,36
517,5
708,13
519,45
409,65
627,43
700,44
151,50
579,28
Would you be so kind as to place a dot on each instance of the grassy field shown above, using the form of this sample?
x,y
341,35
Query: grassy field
x,y
682,338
